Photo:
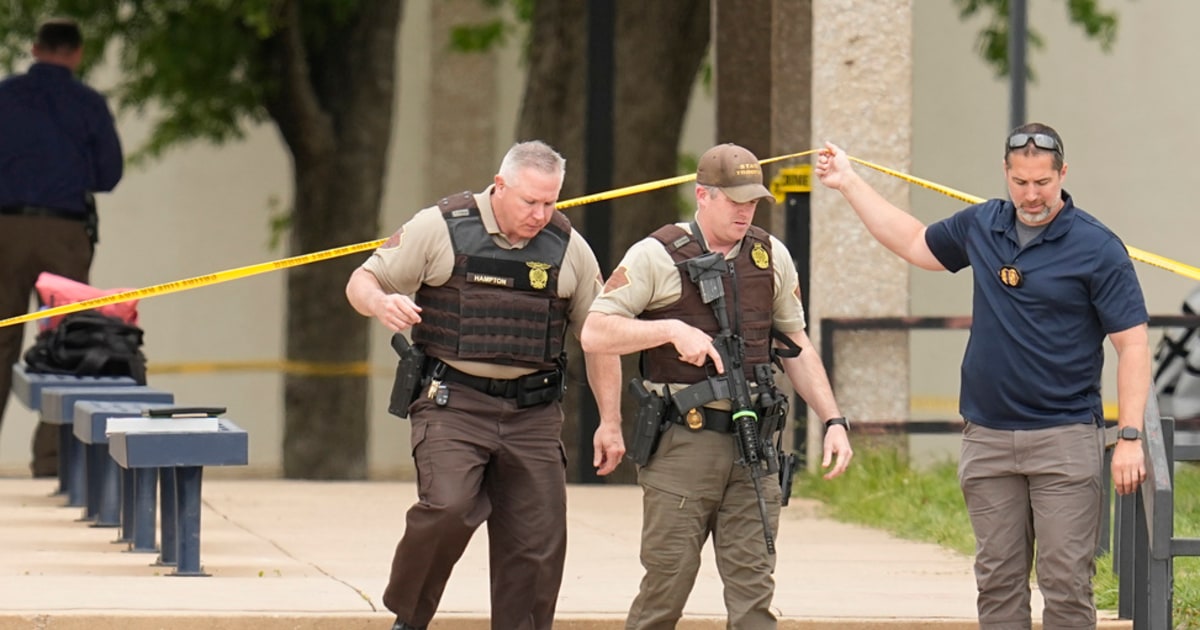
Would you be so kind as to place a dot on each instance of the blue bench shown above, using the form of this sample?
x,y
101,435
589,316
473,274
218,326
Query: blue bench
x,y
27,386
58,407
151,444
104,479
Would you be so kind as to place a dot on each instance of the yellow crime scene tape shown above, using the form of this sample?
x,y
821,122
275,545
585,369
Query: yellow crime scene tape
x,y
361,368
1137,254
305,259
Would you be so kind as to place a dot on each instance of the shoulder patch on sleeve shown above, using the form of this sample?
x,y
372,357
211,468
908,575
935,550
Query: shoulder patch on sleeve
x,y
394,241
617,280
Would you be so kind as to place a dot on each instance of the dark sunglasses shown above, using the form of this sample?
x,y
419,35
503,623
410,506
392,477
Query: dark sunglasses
x,y
1040,140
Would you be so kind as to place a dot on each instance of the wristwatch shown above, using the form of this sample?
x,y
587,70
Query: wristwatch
x,y
1129,433
832,421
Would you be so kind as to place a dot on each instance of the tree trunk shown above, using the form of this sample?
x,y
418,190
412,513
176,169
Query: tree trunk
x,y
745,80
334,110
661,45
552,107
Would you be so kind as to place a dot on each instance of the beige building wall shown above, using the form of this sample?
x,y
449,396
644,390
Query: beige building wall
x,y
1128,124
1126,119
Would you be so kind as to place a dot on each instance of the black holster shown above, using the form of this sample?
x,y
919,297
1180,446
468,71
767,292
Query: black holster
x,y
409,371
771,420
648,423
787,468
773,409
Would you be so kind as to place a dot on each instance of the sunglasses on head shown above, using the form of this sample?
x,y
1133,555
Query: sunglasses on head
x,y
1040,140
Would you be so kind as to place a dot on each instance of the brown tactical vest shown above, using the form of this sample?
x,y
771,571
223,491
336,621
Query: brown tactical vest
x,y
499,305
749,292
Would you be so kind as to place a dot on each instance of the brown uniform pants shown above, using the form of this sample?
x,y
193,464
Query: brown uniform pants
x,y
480,459
29,246
1024,486
693,487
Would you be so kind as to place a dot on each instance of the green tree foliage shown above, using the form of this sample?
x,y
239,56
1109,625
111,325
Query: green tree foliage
x,y
324,72
992,42
196,64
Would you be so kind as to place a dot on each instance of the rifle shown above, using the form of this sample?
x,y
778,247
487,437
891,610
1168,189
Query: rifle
x,y
706,272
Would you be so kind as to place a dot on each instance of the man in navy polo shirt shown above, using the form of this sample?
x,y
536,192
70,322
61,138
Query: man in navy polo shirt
x,y
58,145
1051,282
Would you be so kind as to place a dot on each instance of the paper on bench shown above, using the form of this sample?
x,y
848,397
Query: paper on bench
x,y
162,425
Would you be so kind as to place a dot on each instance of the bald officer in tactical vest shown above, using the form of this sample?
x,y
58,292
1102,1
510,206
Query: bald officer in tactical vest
x,y
707,302
497,279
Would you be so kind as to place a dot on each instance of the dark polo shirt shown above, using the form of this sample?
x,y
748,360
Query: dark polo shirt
x,y
57,140
1035,354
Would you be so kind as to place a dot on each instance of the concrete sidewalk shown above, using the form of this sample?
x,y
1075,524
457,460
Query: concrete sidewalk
x,y
314,555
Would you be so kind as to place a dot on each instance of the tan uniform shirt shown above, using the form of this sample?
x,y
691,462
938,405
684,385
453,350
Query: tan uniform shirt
x,y
647,279
651,281
421,253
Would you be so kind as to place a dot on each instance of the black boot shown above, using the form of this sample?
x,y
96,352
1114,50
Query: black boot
x,y
400,625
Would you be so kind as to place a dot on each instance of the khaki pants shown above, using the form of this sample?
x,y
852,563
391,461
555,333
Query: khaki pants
x,y
1025,486
693,487
480,459
29,246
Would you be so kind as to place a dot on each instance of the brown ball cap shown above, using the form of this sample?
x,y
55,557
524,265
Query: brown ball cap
x,y
734,170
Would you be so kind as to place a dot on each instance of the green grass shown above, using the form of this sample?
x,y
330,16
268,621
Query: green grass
x,y
880,490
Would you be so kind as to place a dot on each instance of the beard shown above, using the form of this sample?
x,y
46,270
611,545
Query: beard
x,y
1033,218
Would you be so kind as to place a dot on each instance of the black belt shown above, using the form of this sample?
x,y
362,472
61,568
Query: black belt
x,y
42,211
713,420
498,387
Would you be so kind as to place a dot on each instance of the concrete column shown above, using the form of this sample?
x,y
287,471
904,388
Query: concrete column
x,y
862,100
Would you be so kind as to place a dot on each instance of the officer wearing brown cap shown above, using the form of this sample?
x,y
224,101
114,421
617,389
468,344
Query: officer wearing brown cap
x,y
696,484
496,279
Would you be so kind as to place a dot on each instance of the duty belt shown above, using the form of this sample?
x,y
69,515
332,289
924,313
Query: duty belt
x,y
42,211
498,387
704,418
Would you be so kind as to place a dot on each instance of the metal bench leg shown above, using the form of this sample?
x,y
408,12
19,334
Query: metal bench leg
x,y
168,515
76,458
108,512
187,497
144,495
65,435
127,493
91,481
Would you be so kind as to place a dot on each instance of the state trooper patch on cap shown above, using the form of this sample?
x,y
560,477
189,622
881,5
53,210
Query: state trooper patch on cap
x,y
734,170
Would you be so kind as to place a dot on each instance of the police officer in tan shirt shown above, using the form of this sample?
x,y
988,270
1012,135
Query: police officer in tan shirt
x,y
693,485
490,283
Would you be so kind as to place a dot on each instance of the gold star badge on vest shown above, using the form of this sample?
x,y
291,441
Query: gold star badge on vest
x,y
760,256
1011,276
694,419
538,278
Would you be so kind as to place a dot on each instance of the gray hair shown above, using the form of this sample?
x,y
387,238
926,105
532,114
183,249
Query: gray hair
x,y
534,154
